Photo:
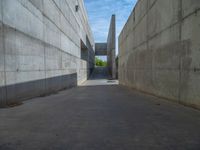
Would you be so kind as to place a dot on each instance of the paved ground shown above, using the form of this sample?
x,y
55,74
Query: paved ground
x,y
100,76
103,117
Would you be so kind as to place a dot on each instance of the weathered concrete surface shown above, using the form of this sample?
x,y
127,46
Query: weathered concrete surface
x,y
160,48
111,47
100,49
116,119
40,48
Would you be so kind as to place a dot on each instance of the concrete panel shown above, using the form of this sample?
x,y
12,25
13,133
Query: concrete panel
x,y
65,25
23,76
167,37
52,34
24,63
163,59
38,4
57,3
169,56
190,94
2,78
65,9
166,84
100,49
25,90
73,21
22,52
61,82
75,50
191,32
53,58
190,88
65,61
162,15
42,47
189,7
151,3
136,58
111,43
32,8
2,89
1,15
1,48
65,43
28,46
9,40
140,10
27,22
54,14
140,35
142,80
53,73
143,59
2,62
131,41
9,45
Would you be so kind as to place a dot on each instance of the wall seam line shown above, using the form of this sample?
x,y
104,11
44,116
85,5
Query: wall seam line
x,y
45,71
71,40
180,18
4,52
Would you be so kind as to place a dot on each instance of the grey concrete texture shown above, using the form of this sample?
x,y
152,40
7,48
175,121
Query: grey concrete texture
x,y
117,119
100,49
159,50
40,40
111,47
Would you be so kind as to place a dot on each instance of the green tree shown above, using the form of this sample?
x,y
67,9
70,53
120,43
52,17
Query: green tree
x,y
99,62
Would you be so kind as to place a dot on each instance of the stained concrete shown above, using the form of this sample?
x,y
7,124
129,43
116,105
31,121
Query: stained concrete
x,y
159,50
111,47
101,49
107,117
40,41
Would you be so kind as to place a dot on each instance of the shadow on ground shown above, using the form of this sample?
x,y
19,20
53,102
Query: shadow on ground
x,y
101,117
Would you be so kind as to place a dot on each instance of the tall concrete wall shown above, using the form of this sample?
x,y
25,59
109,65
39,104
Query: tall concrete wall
x,y
111,47
40,47
160,49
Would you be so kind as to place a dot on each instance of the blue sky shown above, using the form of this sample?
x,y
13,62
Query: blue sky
x,y
100,12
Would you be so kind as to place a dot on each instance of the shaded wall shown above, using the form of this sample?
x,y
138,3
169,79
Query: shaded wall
x,y
100,49
111,44
160,49
40,47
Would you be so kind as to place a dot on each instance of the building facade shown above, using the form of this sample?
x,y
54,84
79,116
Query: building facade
x,y
160,49
45,46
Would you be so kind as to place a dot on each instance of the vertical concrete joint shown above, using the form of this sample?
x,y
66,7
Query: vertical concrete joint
x,y
4,53
180,16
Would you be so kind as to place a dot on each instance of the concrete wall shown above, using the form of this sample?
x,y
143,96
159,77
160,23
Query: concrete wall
x,y
160,50
100,49
40,47
111,47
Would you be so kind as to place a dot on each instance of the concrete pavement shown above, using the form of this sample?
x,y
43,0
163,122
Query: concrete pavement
x,y
102,117
100,76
